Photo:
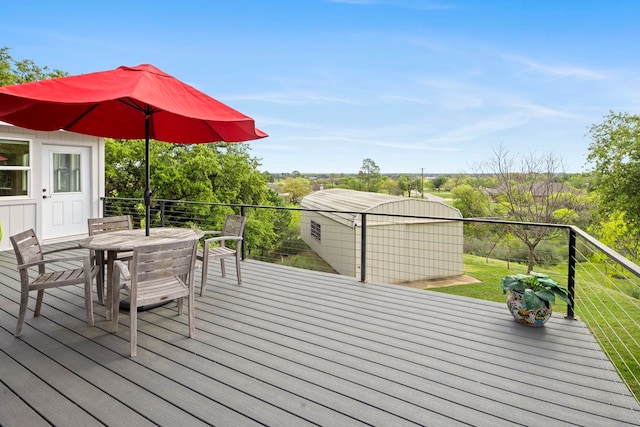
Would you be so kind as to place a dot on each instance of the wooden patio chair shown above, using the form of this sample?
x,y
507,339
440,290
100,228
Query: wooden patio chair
x,y
158,273
104,225
216,247
30,256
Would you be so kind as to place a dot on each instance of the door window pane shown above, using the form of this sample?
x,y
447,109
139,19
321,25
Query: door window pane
x,y
66,173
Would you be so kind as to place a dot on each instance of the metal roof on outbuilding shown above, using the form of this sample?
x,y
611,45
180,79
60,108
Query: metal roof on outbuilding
x,y
345,206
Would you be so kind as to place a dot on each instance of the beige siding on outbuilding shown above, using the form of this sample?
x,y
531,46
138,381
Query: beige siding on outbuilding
x,y
399,248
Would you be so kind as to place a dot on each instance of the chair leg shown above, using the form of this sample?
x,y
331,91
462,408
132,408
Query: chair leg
x,y
133,328
39,298
115,310
222,267
88,302
238,269
24,300
100,279
110,308
88,292
180,302
205,271
192,314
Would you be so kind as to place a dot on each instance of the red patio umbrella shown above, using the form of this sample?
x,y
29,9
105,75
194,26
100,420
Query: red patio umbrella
x,y
126,103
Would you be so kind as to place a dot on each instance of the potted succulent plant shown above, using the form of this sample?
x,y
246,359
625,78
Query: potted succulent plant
x,y
531,296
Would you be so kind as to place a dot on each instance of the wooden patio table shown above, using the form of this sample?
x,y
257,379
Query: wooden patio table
x,y
113,242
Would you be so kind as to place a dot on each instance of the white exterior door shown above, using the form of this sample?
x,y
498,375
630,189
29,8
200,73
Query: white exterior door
x,y
66,190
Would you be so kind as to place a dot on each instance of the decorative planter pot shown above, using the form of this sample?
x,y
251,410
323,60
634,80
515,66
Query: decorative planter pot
x,y
536,317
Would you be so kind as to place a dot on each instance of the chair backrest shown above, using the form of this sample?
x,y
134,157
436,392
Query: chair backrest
x,y
233,225
27,247
109,223
154,262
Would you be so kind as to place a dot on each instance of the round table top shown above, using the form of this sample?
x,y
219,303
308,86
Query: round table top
x,y
127,240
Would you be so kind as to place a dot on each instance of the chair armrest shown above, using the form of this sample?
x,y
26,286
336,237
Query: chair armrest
x,y
214,233
122,276
56,260
71,248
122,269
217,239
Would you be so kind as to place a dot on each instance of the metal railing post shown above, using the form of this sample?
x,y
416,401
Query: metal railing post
x,y
363,249
242,244
571,274
162,213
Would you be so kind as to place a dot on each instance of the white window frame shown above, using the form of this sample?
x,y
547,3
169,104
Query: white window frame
x,y
28,169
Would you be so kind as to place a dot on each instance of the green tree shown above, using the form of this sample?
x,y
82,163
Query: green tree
x,y
392,186
528,192
439,181
404,184
14,72
352,183
458,180
268,229
471,202
418,185
614,154
370,175
268,177
614,232
212,173
296,188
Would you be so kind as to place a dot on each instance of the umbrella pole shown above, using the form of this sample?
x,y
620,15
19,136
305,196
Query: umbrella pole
x,y
147,190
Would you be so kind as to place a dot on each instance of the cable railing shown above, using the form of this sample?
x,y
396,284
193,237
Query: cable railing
x,y
467,256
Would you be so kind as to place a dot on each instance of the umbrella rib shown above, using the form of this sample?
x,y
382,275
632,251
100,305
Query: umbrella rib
x,y
131,103
80,117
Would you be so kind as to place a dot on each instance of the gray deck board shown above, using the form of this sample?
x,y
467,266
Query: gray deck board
x,y
369,341
400,364
16,393
294,347
56,403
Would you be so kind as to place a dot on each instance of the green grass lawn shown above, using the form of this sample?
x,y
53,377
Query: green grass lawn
x,y
490,272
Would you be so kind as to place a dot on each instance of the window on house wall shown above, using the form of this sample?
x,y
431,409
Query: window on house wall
x,y
315,230
15,167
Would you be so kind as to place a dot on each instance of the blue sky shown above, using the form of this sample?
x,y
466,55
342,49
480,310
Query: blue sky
x,y
431,85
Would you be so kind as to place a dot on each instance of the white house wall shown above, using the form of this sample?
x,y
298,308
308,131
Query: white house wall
x,y
18,216
23,212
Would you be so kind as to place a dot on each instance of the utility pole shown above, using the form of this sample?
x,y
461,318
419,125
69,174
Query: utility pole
x,y
422,183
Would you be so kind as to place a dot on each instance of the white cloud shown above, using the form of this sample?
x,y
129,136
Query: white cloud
x,y
559,71
275,121
293,98
542,111
405,99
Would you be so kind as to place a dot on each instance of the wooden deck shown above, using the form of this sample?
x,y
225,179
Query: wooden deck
x,y
292,347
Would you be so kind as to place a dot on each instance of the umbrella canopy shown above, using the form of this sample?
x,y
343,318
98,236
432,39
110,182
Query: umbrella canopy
x,y
126,103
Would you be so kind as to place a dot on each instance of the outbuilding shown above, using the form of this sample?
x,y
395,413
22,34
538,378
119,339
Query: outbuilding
x,y
49,181
406,239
